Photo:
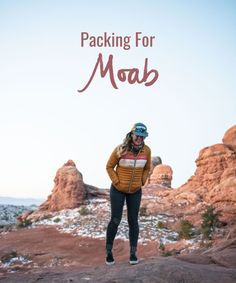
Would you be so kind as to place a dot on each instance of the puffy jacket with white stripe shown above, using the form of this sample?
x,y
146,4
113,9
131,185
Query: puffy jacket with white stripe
x,y
129,172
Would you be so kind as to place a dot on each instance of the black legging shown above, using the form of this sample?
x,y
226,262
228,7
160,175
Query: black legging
x,y
117,202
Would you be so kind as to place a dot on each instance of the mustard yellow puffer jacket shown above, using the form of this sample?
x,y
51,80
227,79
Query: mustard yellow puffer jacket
x,y
129,172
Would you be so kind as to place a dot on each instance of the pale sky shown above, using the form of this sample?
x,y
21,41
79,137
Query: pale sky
x,y
44,121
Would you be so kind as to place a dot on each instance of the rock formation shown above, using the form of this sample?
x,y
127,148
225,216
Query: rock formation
x,y
215,164
213,183
156,160
69,190
161,175
230,138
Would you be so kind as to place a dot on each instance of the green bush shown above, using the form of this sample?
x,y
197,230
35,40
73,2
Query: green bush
x,y
143,211
162,247
160,225
46,216
56,220
25,223
167,253
84,211
210,220
186,230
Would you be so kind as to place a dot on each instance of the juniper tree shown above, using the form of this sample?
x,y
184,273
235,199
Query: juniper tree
x,y
210,220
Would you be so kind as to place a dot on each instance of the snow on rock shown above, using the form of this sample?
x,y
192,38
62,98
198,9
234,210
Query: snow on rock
x,y
15,260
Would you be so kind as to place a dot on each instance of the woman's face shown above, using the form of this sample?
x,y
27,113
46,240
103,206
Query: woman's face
x,y
137,140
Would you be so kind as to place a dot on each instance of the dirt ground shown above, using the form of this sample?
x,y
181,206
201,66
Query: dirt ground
x,y
48,248
59,257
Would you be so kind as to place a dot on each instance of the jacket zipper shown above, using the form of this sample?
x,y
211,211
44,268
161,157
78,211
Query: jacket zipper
x,y
132,177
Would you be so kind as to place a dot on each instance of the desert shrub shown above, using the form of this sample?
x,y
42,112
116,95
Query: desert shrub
x,y
56,220
160,225
162,247
143,211
168,253
186,229
165,253
25,223
210,220
84,211
46,216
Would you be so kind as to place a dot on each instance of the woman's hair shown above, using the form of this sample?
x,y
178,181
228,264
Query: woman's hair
x,y
123,148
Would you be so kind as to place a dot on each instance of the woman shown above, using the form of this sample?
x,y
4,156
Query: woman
x,y
128,168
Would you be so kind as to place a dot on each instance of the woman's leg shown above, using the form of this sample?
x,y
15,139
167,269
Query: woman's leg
x,y
133,204
117,202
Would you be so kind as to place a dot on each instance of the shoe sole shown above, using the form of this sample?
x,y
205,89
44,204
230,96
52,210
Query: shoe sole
x,y
133,262
110,263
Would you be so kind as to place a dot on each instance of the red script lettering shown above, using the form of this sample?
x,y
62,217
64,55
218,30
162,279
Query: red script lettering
x,y
131,75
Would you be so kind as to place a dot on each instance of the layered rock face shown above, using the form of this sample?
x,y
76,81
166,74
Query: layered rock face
x,y
69,190
214,180
213,183
215,164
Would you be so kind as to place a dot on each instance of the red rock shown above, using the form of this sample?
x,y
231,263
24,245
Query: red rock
x,y
69,190
58,257
212,163
230,137
223,197
161,175
21,218
213,183
156,160
214,180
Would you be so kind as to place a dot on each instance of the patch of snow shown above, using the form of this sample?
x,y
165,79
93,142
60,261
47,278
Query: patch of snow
x,y
12,261
92,220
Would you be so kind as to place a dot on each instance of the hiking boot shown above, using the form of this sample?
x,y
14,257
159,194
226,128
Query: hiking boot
x,y
133,259
109,259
